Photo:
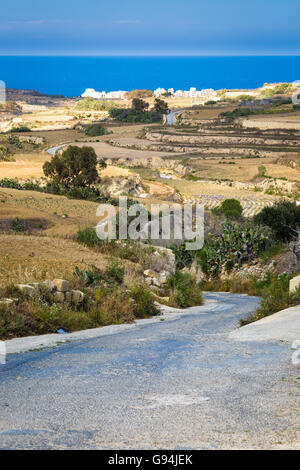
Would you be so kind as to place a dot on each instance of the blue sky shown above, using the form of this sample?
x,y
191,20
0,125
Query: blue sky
x,y
155,27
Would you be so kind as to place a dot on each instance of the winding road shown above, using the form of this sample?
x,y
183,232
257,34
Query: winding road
x,y
178,381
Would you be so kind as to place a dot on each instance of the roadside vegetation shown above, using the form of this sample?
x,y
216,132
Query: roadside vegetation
x,y
107,301
241,243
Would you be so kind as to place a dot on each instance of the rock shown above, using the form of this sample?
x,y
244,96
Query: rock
x,y
50,285
26,289
120,185
156,281
61,285
149,280
6,302
294,283
150,273
36,285
59,297
164,276
77,296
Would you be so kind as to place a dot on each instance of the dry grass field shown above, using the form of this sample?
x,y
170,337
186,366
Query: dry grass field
x,y
25,166
273,121
243,169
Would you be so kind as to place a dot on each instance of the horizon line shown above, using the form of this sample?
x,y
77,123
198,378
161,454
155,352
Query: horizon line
x,y
119,55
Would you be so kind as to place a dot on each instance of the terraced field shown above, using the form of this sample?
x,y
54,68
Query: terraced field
x,y
251,204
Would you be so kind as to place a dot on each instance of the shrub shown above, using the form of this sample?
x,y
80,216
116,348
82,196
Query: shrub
x,y
116,271
184,292
236,245
97,130
283,218
144,305
275,297
183,257
20,129
230,208
17,225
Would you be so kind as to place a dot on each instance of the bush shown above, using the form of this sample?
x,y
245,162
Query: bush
x,y
236,245
230,208
97,130
238,112
132,115
283,218
183,257
144,305
89,104
106,302
275,297
116,271
20,129
184,292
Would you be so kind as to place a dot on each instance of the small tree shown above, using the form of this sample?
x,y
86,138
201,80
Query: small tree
x,y
139,105
231,208
160,106
75,168
283,218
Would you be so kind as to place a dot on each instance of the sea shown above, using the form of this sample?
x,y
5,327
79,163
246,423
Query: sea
x,y
70,76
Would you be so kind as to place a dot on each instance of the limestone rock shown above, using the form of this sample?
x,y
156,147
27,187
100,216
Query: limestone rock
x,y
6,302
26,289
77,296
294,283
50,285
61,285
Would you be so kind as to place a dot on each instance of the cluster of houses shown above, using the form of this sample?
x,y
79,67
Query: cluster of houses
x,y
103,95
120,95
191,93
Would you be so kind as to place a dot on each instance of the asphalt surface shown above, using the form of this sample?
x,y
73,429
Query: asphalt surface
x,y
181,384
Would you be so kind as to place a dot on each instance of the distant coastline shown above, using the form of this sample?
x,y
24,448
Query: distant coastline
x,y
70,76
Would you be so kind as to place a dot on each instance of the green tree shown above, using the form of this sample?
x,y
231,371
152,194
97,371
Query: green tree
x,y
283,218
139,105
231,208
160,106
75,168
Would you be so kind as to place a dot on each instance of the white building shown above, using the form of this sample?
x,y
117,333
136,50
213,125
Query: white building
x,y
102,95
159,91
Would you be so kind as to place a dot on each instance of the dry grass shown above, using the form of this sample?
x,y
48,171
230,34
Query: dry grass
x,y
195,188
26,166
65,215
273,121
31,258
244,169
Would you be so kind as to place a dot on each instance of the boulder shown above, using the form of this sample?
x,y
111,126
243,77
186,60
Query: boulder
x,y
6,302
26,289
150,273
61,285
77,296
164,276
294,283
50,285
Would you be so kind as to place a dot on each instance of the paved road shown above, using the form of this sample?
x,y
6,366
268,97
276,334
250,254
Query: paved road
x,y
179,384
171,117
